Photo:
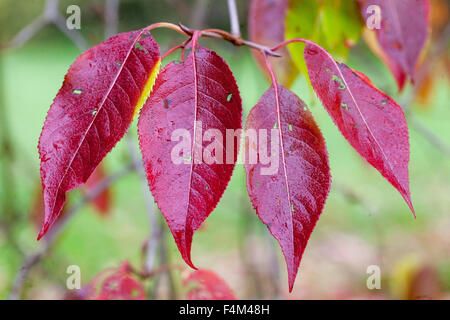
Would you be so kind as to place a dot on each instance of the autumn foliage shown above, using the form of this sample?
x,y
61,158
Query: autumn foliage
x,y
112,82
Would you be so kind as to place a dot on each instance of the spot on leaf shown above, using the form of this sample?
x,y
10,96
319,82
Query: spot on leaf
x,y
339,80
140,47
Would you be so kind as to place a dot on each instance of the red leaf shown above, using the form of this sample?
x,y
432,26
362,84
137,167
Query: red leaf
x,y
207,286
116,284
101,92
202,88
266,26
369,119
290,200
402,34
103,201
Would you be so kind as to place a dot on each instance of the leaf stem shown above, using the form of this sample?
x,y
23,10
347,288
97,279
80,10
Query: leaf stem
x,y
286,42
167,25
216,34
234,19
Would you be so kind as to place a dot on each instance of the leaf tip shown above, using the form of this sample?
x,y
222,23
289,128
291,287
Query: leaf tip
x,y
43,231
291,286
187,258
410,205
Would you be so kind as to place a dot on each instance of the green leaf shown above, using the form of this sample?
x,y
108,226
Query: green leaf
x,y
334,24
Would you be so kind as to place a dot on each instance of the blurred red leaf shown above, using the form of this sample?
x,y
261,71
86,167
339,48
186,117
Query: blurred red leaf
x,y
266,26
206,285
425,285
116,284
402,35
102,91
369,119
199,89
290,200
103,201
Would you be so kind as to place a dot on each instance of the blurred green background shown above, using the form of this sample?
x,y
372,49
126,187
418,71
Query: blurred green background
x,y
365,221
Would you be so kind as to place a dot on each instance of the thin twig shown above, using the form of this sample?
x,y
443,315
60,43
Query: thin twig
x,y
28,32
111,17
198,14
153,221
164,259
234,19
156,238
33,259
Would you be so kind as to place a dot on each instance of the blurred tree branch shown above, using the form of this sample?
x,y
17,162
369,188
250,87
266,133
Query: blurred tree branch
x,y
234,19
111,17
50,15
432,58
34,258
